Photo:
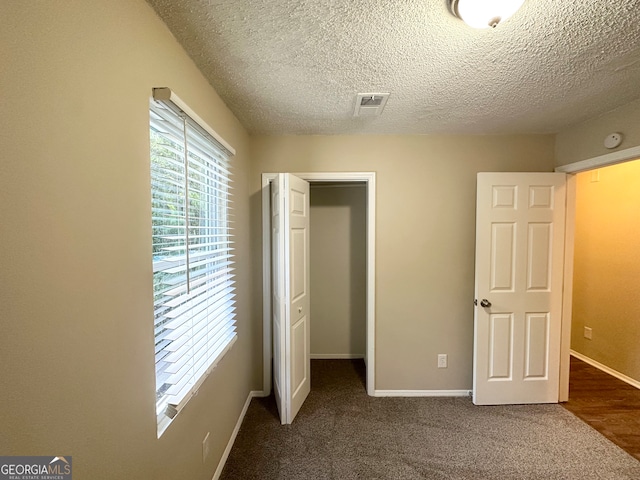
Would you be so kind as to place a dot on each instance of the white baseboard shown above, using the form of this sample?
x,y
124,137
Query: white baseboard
x,y
234,434
604,368
336,356
421,393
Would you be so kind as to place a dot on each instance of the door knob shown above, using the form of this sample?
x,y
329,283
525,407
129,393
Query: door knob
x,y
485,303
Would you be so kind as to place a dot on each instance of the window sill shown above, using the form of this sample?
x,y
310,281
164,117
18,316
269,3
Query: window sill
x,y
163,419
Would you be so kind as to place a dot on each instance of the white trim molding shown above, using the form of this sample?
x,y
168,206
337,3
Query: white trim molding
x,y
600,161
234,434
167,95
422,393
266,283
336,356
604,368
567,294
366,177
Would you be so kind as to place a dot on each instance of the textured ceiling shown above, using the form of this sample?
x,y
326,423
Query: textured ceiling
x,y
295,67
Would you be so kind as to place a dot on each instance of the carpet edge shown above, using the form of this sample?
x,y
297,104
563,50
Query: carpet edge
x,y
234,434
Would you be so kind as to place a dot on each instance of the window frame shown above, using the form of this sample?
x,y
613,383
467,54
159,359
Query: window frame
x,y
214,179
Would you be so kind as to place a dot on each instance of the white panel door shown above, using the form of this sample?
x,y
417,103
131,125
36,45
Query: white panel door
x,y
520,227
291,334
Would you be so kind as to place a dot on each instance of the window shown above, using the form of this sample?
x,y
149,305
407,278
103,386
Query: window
x,y
193,281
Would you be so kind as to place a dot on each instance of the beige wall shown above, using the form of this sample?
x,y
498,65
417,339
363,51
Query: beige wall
x,y
606,291
76,350
425,236
338,219
586,140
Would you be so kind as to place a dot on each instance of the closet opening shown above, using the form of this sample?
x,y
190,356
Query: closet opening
x,y
342,269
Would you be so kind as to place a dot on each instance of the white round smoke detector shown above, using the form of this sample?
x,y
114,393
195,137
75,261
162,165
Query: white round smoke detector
x,y
613,140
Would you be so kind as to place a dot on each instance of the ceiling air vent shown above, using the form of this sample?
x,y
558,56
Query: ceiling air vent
x,y
370,104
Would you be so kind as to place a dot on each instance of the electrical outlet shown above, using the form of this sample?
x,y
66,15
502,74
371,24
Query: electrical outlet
x,y
205,447
442,360
588,333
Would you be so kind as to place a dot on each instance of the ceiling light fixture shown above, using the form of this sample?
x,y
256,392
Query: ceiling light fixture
x,y
484,13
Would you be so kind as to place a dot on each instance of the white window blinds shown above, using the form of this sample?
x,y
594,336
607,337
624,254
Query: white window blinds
x,y
193,280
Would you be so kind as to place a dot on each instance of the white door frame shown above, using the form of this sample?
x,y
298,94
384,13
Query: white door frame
x,y
572,169
370,179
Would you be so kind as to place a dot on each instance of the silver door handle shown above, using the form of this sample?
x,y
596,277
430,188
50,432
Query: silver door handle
x,y
485,303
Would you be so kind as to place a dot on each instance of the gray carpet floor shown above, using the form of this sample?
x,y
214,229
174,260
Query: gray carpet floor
x,y
341,433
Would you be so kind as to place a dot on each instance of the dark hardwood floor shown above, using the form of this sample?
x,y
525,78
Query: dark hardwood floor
x,y
609,405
